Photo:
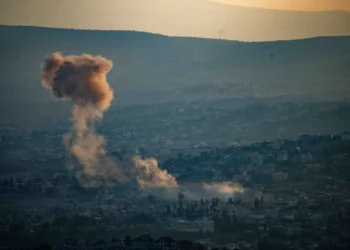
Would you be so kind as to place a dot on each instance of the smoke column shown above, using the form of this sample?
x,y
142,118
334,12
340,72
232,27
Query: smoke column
x,y
82,80
150,176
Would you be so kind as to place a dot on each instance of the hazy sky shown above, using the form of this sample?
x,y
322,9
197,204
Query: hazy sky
x,y
298,5
201,18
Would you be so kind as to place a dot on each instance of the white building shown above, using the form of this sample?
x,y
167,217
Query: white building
x,y
217,175
282,156
289,216
206,225
314,167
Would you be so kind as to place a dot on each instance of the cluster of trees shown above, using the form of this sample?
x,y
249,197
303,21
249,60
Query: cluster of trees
x,y
9,182
339,146
194,211
146,241
141,218
72,222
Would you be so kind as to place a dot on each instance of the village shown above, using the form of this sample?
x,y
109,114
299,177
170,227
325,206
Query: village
x,y
295,191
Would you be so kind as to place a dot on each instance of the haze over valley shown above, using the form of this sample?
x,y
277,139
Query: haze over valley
x,y
172,92
241,144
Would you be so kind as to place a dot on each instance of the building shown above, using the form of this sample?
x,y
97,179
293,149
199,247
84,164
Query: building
x,y
257,216
257,160
217,175
273,213
206,225
259,187
232,246
289,216
268,199
242,177
282,156
268,168
279,176
248,196
345,136
275,145
312,167
306,157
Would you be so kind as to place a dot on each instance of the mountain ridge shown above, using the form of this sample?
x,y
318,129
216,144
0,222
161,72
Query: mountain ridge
x,y
146,33
156,68
184,18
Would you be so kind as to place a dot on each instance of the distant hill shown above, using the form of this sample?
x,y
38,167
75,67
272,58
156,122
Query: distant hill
x,y
151,68
199,18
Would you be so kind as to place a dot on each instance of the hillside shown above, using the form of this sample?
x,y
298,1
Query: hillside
x,y
151,68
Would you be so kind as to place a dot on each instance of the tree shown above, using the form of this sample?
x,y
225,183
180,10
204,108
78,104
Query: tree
x,y
187,212
168,209
11,182
141,218
226,215
209,174
151,198
180,210
142,151
256,204
128,240
44,247
197,246
45,226
17,227
184,244
201,213
262,245
61,221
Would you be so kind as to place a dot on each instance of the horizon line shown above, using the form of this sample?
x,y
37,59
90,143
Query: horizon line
x,y
169,36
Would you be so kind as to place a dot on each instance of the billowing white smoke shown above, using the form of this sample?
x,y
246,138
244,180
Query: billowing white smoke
x,y
211,190
149,175
222,189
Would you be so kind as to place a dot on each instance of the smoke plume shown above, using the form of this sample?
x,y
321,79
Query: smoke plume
x,y
148,174
196,191
82,80
223,189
